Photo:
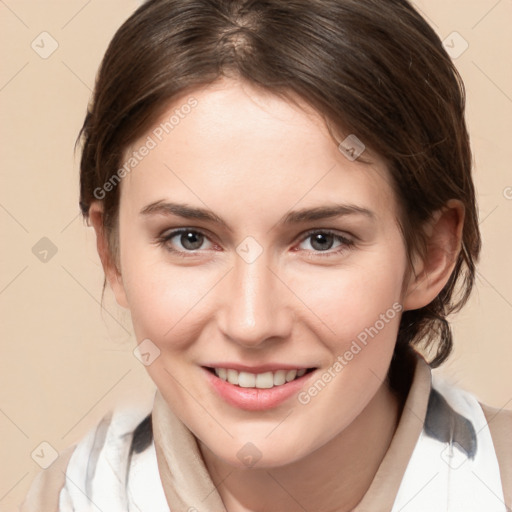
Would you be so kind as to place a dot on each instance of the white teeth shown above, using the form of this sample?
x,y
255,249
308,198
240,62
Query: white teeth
x,y
279,377
221,373
246,380
290,375
264,380
233,377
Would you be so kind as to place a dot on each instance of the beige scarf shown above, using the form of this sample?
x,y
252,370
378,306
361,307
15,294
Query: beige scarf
x,y
185,479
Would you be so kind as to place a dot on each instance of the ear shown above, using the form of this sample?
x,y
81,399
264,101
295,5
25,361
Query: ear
x,y
112,273
432,270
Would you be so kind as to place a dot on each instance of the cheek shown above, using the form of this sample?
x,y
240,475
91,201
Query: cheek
x,y
168,304
351,300
157,295
158,300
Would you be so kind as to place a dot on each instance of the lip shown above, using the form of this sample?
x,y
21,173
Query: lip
x,y
254,399
261,368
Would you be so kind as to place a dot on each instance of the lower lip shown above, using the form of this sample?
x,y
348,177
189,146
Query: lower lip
x,y
255,399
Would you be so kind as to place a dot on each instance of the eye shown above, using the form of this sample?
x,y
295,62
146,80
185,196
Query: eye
x,y
184,240
320,242
324,241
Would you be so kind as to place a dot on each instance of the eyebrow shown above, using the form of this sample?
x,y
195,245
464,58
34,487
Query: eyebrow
x,y
303,215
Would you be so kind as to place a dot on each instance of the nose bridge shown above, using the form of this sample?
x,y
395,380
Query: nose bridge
x,y
254,308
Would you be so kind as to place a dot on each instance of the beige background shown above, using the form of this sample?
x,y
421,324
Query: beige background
x,y
63,361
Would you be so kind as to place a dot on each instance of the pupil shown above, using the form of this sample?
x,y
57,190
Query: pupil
x,y
321,239
191,240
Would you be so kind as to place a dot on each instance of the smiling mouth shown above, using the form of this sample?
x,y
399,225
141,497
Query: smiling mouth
x,y
264,380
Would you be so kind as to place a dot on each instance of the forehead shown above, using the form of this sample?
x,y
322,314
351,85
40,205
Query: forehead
x,y
229,142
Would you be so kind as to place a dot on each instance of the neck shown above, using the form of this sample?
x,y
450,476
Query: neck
x,y
333,478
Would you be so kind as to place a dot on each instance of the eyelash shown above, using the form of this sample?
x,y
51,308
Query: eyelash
x,y
346,243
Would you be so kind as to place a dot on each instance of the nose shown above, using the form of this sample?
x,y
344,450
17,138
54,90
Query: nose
x,y
254,306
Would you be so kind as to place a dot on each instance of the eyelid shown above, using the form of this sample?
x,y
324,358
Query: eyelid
x,y
169,234
328,231
172,232
347,243
347,240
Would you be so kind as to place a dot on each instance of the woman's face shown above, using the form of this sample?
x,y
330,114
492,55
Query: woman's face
x,y
249,242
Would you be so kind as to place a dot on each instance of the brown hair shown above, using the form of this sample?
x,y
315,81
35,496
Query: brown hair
x,y
373,68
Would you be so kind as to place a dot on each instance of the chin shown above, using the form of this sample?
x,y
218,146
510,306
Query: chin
x,y
259,453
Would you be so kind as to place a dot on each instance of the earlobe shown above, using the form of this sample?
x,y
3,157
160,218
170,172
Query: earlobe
x,y
112,272
432,270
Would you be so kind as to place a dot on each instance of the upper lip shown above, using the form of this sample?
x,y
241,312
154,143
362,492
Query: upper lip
x,y
261,368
